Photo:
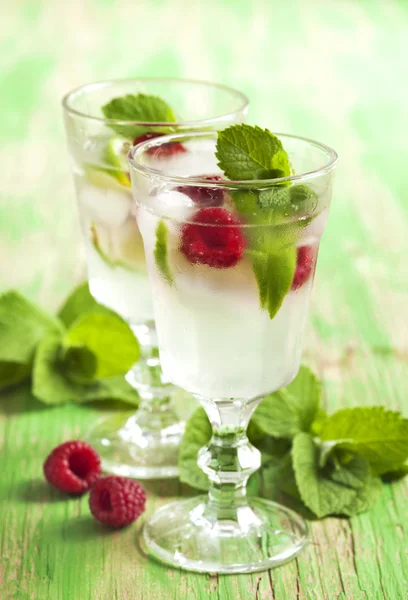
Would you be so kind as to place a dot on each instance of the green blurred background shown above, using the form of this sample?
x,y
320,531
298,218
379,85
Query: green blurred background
x,y
332,70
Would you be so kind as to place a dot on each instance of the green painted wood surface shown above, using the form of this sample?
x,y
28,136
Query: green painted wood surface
x,y
333,70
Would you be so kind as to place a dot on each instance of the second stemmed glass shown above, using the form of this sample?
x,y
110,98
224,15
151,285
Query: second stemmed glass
x,y
231,264
146,444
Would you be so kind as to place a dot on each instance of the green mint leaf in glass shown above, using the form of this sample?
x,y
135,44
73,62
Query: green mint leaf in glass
x,y
377,434
161,252
245,152
22,326
274,274
292,409
140,107
79,302
109,338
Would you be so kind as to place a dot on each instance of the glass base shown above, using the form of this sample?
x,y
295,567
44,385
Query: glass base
x,y
132,450
264,535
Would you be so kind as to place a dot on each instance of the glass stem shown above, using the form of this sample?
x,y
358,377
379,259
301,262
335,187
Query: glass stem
x,y
229,459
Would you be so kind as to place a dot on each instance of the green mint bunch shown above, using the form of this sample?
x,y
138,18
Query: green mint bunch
x,y
81,355
331,464
247,153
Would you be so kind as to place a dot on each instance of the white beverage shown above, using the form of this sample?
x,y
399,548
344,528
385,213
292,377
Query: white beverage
x,y
214,337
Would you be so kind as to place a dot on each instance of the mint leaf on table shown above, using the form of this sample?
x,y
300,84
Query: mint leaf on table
x,y
346,491
141,107
292,409
197,434
109,338
53,386
79,364
79,302
161,252
245,152
378,435
22,326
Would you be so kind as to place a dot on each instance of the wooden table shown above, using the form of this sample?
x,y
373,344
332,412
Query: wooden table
x,y
335,71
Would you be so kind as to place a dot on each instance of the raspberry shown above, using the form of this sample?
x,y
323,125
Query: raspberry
x,y
306,256
204,196
117,501
72,467
162,151
214,239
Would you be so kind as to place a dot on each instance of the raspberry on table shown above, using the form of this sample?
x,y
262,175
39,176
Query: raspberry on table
x,y
72,467
204,196
117,501
163,150
213,238
306,258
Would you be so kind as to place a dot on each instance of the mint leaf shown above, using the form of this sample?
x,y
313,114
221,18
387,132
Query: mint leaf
x,y
22,326
52,385
292,409
197,434
320,494
395,475
141,107
245,152
109,338
365,497
79,364
79,302
274,274
12,373
338,489
378,435
161,252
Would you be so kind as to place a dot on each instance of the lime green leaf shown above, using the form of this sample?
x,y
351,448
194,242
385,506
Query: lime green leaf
x,y
377,434
22,326
52,386
396,474
245,152
78,303
337,489
196,435
109,338
274,274
79,364
291,409
140,107
161,252
12,373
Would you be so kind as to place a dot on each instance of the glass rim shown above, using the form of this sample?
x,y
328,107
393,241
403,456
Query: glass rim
x,y
66,101
247,183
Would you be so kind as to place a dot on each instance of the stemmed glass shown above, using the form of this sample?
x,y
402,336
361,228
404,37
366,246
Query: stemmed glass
x,y
218,336
146,444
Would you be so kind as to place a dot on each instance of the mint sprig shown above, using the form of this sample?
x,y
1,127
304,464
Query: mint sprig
x,y
248,153
291,430
79,356
141,107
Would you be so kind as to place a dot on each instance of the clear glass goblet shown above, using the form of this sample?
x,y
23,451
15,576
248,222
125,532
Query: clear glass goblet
x,y
231,285
146,444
